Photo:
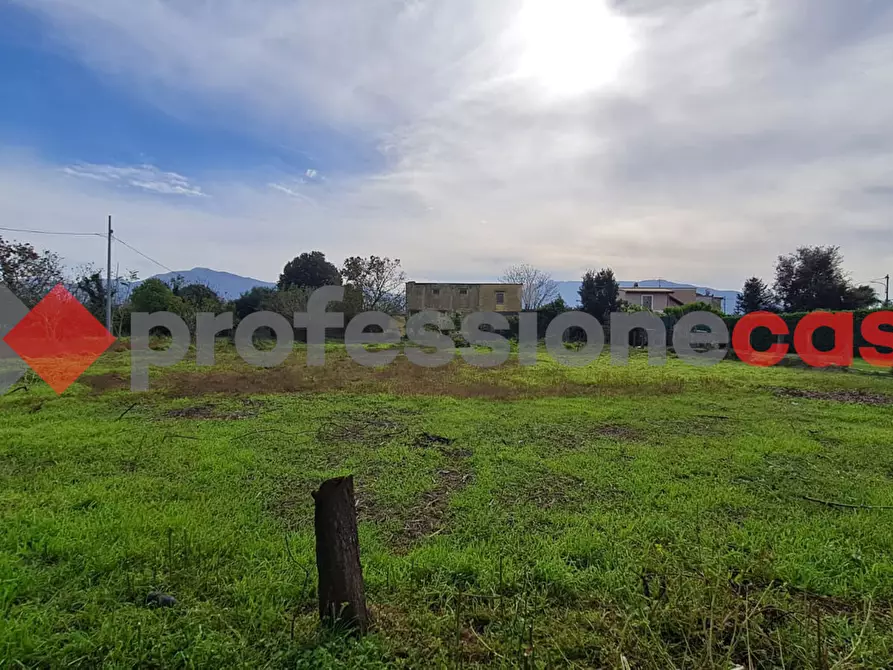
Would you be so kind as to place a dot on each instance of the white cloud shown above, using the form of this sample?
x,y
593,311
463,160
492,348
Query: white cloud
x,y
145,177
723,134
293,191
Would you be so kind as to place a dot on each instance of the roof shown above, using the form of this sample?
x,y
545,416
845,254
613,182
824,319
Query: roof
x,y
640,289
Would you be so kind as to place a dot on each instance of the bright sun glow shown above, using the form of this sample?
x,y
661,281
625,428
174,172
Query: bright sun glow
x,y
571,46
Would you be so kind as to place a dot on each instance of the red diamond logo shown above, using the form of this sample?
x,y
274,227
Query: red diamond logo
x,y
59,339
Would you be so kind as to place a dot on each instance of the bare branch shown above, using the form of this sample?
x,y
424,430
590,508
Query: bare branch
x,y
538,287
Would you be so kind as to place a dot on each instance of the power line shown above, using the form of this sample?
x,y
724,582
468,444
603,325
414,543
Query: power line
x,y
51,232
148,258
78,234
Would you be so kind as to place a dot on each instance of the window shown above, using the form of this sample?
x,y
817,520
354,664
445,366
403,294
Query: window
x,y
435,291
463,291
648,301
500,297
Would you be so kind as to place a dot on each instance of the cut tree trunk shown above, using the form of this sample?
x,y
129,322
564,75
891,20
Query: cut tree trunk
x,y
342,595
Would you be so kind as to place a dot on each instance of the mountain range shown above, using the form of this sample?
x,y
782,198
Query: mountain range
x,y
225,284
230,286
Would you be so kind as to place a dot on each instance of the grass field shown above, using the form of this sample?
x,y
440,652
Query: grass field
x,y
522,517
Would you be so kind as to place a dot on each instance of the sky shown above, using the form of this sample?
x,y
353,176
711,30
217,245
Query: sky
x,y
694,140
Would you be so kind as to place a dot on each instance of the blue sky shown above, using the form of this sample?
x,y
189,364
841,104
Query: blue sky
x,y
71,113
692,140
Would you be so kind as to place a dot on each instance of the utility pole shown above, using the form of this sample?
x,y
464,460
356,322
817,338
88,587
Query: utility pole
x,y
887,290
108,281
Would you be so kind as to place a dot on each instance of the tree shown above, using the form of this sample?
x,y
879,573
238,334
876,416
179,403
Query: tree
x,y
375,283
860,297
288,302
600,294
255,300
538,288
309,271
89,289
29,274
200,297
556,307
754,297
153,295
546,313
813,278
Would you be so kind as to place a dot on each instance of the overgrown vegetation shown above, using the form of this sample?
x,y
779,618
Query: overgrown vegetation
x,y
604,517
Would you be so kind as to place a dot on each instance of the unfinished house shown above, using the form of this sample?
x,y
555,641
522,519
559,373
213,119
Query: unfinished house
x,y
463,298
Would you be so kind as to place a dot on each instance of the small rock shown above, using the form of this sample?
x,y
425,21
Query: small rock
x,y
157,599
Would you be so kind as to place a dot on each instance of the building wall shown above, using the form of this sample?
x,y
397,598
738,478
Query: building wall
x,y
511,298
462,297
442,297
686,295
691,295
661,301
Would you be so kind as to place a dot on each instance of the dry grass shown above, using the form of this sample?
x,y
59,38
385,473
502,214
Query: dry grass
x,y
457,379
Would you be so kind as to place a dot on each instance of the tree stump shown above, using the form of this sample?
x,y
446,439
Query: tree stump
x,y
342,594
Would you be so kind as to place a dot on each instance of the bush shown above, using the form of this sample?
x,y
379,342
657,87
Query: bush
x,y
823,339
681,311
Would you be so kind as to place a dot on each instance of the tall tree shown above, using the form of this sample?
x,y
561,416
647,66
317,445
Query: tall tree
x,y
199,297
600,294
89,288
860,297
754,297
153,295
375,283
288,302
538,287
254,300
813,278
28,273
309,270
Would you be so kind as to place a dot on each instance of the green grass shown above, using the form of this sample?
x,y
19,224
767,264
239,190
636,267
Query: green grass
x,y
571,518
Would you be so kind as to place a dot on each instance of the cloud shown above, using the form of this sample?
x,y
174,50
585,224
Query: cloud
x,y
145,177
292,191
725,132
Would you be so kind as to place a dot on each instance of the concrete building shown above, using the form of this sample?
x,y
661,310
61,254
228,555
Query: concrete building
x,y
658,299
463,298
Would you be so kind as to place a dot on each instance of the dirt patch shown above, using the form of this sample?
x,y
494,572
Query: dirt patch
x,y
250,410
292,506
429,440
442,444
551,490
847,396
569,437
401,377
360,428
429,515
109,381
619,433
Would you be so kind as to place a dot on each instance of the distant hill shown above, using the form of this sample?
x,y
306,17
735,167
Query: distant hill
x,y
227,285
569,290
